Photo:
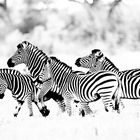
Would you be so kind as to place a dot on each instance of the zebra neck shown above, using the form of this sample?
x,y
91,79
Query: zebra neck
x,y
109,66
60,72
35,62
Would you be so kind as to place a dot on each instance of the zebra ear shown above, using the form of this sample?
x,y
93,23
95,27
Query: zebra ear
x,y
19,46
98,54
49,60
95,51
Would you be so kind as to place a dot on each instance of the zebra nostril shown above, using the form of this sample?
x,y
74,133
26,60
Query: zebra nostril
x,y
77,62
10,63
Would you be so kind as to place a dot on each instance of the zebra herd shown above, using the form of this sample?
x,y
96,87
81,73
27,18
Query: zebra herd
x,y
50,78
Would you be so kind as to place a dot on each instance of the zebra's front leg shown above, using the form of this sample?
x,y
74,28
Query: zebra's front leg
x,y
61,105
44,111
29,103
68,105
85,109
18,107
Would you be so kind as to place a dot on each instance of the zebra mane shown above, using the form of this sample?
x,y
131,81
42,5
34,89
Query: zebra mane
x,y
32,47
35,48
59,61
108,60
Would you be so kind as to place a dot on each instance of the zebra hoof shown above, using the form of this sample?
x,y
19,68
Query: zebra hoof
x,y
118,111
106,110
44,111
31,115
82,112
15,115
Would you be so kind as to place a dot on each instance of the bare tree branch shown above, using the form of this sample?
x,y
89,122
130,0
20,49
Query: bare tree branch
x,y
4,5
113,5
93,3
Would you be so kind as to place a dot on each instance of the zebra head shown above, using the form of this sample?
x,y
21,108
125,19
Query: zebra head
x,y
92,61
19,56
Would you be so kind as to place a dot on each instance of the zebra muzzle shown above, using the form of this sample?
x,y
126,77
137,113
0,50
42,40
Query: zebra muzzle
x,y
77,62
10,63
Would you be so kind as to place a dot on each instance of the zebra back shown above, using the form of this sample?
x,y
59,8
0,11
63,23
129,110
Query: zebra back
x,y
10,71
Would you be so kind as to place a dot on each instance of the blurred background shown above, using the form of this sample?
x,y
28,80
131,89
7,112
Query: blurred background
x,y
72,28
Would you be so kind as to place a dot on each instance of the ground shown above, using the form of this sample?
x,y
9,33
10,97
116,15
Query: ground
x,y
60,126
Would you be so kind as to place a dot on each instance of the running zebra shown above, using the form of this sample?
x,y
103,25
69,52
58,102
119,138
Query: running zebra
x,y
22,88
84,87
130,79
34,59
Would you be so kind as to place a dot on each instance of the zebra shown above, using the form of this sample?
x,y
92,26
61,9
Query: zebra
x,y
97,61
130,79
44,73
22,88
34,59
84,87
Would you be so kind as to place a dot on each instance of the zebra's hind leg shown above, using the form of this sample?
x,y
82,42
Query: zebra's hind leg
x,y
122,104
119,104
85,109
18,107
108,103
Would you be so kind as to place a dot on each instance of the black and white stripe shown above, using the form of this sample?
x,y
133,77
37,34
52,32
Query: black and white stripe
x,y
84,87
22,88
130,79
34,59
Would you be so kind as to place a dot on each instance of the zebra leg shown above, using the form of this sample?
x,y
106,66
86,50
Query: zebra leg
x,y
107,101
118,104
85,109
18,107
41,106
68,105
121,104
29,102
61,105
44,111
59,99
44,90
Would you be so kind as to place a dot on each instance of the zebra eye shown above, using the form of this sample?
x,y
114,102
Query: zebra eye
x,y
19,52
90,56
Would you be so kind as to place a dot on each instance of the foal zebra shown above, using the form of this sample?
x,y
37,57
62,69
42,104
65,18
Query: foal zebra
x,y
22,88
84,87
130,79
34,59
